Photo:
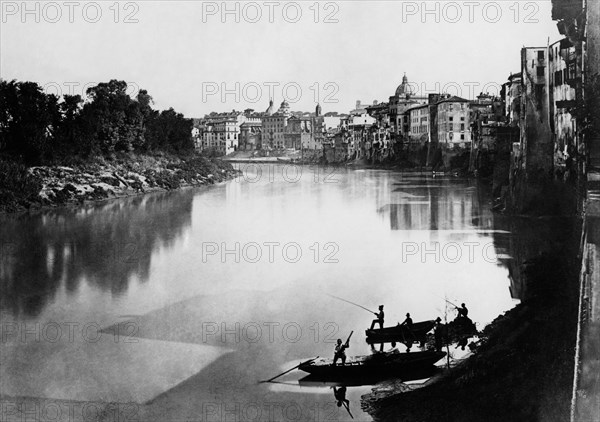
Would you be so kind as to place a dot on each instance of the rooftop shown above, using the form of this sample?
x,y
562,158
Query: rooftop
x,y
453,99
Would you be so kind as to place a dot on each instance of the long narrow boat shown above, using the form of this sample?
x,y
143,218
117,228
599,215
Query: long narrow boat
x,y
400,333
373,364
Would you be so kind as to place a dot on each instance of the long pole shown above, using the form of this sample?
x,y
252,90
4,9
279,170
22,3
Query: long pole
x,y
352,303
348,409
290,370
447,340
447,301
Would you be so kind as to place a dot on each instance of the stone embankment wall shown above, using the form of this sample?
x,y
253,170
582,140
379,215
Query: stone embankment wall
x,y
586,386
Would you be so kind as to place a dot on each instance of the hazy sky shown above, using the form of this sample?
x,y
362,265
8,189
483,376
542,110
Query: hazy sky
x,y
185,55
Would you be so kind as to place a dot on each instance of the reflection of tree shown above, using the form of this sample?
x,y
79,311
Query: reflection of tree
x,y
104,244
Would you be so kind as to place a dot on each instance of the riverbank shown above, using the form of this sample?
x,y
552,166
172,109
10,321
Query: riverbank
x,y
523,369
25,188
294,157
586,388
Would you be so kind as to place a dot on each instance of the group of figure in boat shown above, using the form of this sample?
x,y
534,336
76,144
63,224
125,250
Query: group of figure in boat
x,y
430,332
409,332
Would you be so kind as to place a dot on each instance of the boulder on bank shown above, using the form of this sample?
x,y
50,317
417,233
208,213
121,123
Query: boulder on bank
x,y
24,187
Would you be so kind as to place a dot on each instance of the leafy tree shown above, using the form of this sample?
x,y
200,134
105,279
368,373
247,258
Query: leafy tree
x,y
37,126
27,120
169,130
118,123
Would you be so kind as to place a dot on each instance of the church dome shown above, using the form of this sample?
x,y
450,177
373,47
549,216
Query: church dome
x,y
404,88
270,110
284,108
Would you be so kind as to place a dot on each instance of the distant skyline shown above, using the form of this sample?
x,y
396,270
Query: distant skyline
x,y
185,56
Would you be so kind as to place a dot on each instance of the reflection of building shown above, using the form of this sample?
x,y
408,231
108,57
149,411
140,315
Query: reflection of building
x,y
441,206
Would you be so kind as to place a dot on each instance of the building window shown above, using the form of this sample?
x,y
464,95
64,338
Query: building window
x,y
540,55
558,78
571,70
462,119
462,136
539,92
462,126
451,119
540,71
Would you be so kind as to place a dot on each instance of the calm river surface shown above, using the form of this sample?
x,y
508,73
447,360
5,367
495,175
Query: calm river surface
x,y
173,306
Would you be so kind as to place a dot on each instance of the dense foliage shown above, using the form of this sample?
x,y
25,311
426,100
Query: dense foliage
x,y
37,127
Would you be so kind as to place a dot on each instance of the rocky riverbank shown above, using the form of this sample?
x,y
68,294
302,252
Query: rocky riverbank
x,y
24,188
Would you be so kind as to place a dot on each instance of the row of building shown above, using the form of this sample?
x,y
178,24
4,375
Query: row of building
x,y
268,130
406,118
534,118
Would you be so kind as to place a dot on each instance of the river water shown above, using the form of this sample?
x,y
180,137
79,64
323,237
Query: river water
x,y
173,306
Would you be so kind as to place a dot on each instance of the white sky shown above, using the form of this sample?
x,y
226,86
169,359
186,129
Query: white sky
x,y
178,57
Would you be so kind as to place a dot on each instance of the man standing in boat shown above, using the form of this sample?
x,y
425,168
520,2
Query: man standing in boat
x,y
462,311
408,322
379,319
340,351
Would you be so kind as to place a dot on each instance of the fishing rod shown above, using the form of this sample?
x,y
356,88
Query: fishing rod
x,y
453,304
447,301
352,303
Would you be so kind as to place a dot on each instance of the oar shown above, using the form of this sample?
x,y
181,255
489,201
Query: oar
x,y
348,340
348,409
290,370
352,303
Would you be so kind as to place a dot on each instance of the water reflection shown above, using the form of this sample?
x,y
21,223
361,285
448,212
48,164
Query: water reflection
x,y
223,322
519,239
104,244
438,204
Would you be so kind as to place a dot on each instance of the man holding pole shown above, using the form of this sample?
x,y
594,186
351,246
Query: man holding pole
x,y
340,350
379,319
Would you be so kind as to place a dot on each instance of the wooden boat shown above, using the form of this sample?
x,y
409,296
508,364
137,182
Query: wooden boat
x,y
455,331
400,333
379,363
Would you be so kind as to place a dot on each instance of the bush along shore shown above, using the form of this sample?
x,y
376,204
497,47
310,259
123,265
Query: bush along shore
x,y
25,187
523,368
